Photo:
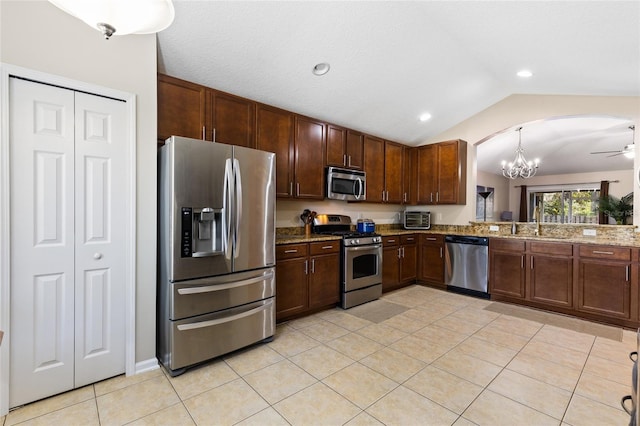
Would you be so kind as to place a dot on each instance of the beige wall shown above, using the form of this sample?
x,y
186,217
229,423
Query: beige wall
x,y
517,109
39,36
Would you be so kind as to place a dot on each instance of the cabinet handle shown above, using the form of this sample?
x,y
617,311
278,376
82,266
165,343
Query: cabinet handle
x,y
440,252
431,198
297,189
522,262
349,162
626,273
531,262
602,252
306,267
399,255
291,251
403,252
404,197
313,266
327,247
391,241
204,133
344,159
430,238
410,238
214,134
437,196
290,188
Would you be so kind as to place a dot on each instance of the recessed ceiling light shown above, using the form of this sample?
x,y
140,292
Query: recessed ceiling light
x,y
424,117
524,73
321,68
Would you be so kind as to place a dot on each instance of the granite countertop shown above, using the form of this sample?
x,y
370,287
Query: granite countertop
x,y
301,238
613,240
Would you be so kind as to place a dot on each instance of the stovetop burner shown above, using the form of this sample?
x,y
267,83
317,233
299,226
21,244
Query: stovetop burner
x,y
340,225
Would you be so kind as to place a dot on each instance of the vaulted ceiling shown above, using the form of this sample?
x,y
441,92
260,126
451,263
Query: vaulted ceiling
x,y
391,61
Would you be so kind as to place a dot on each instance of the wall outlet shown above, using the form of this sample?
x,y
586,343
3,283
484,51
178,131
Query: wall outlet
x,y
439,217
589,232
494,228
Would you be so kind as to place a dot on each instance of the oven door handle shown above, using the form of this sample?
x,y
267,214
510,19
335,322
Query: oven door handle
x,y
375,246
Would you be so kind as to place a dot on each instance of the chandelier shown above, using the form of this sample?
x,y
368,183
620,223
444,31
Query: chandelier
x,y
519,167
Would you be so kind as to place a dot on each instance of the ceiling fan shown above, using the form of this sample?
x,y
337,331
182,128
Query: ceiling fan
x,y
628,150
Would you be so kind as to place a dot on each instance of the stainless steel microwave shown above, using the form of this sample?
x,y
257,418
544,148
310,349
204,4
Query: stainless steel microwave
x,y
346,184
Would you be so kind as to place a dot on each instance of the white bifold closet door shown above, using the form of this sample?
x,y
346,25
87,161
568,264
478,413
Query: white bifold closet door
x,y
69,164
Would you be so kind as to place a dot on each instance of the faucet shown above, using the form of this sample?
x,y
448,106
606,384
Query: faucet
x,y
536,215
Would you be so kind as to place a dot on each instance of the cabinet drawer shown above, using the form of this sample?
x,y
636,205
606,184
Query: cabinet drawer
x,y
504,244
605,252
408,239
561,249
324,247
290,251
432,238
391,240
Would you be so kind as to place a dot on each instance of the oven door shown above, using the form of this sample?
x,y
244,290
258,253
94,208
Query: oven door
x,y
362,267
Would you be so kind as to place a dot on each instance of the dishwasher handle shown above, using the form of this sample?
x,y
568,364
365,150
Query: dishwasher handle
x,y
466,239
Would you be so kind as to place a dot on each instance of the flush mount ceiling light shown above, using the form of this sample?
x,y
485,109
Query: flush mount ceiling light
x,y
121,17
321,68
425,117
524,73
519,167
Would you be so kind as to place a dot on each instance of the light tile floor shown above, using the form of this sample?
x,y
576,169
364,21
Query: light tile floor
x,y
445,360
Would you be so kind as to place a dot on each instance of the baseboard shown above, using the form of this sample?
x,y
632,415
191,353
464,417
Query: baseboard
x,y
147,365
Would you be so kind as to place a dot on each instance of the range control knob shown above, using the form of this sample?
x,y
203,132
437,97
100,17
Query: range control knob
x,y
356,242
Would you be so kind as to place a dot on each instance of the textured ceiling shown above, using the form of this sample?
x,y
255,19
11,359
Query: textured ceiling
x,y
391,61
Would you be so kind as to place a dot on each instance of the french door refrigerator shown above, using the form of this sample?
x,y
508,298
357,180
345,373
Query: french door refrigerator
x,y
216,250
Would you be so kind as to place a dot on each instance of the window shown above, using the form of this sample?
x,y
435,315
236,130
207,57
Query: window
x,y
562,204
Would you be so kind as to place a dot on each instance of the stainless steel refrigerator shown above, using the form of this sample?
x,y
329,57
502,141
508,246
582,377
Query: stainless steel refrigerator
x,y
216,250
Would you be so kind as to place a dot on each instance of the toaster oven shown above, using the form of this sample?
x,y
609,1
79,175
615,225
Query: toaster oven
x,y
417,220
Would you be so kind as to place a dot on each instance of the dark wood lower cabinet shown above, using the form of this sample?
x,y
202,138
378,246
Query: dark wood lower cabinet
x,y
307,277
595,282
506,268
431,259
604,288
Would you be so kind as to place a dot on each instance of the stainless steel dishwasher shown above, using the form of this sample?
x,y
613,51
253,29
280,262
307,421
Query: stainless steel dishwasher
x,y
466,264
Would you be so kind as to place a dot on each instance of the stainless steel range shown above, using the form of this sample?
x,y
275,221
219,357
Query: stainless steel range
x,y
361,259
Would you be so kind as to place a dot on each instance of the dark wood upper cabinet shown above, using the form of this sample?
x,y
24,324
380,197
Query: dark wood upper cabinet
x,y
355,150
409,183
309,142
374,168
181,108
442,173
393,172
232,119
344,148
274,133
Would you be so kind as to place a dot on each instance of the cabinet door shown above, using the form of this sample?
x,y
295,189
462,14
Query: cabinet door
x,y
374,167
409,184
551,280
309,144
432,263
233,119
355,150
390,268
450,173
336,146
506,275
181,108
604,287
408,265
427,170
275,134
291,287
393,172
324,280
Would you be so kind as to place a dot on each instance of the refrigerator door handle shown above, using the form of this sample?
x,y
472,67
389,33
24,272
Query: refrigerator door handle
x,y
238,205
183,327
227,286
228,206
